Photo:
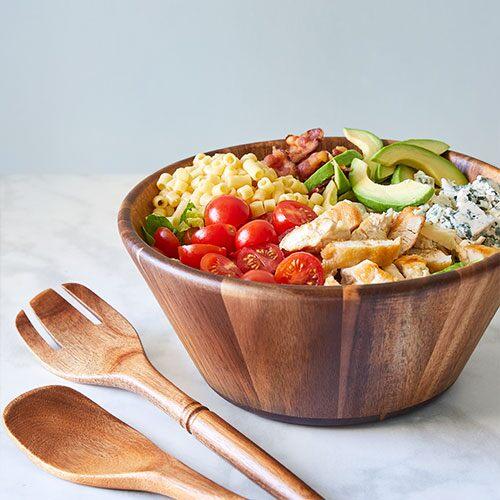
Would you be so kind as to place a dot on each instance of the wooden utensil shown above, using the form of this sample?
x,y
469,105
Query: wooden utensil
x,y
111,354
70,436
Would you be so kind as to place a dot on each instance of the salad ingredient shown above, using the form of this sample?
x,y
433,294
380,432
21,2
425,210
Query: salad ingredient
x,y
191,255
166,242
330,194
366,272
435,259
188,234
348,253
218,234
379,197
407,226
300,146
308,166
342,182
412,266
216,263
259,275
402,173
265,257
394,272
279,161
300,268
457,265
437,147
254,233
227,209
447,238
321,175
422,159
366,141
345,158
470,252
289,214
374,227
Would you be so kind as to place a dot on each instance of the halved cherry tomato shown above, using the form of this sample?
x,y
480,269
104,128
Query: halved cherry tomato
x,y
191,254
188,234
218,234
255,232
300,268
265,257
218,264
166,242
289,214
259,275
227,209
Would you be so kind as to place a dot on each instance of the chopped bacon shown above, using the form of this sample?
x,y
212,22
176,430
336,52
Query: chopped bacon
x,y
301,146
279,161
311,164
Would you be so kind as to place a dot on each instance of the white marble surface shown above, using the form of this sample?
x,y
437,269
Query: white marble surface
x,y
57,229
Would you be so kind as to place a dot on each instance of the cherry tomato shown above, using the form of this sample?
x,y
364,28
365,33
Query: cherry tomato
x,y
255,232
218,264
267,216
289,214
166,242
191,254
259,275
188,234
265,257
227,209
218,234
300,268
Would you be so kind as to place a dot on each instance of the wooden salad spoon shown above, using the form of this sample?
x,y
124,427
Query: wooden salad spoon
x,y
110,353
73,438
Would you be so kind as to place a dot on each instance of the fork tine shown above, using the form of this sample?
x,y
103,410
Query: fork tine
x,y
99,307
59,317
33,339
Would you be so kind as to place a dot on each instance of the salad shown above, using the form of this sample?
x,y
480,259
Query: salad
x,y
304,215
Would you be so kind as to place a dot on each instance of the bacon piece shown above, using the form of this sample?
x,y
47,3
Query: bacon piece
x,y
311,164
301,146
279,161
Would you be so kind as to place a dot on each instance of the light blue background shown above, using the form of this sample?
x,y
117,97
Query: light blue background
x,y
127,86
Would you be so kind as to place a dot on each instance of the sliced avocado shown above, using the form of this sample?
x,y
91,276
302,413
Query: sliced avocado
x,y
457,265
346,157
343,184
378,172
330,194
321,175
348,196
379,197
437,147
366,141
402,173
422,159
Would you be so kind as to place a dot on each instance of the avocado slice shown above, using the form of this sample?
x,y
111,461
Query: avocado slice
x,y
343,184
330,194
366,141
321,175
348,196
437,147
402,173
379,197
346,157
422,159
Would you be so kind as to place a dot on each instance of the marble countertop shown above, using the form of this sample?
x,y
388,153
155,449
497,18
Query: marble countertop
x,y
56,229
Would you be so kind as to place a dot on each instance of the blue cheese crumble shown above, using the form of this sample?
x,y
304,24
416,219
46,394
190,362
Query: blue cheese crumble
x,y
472,210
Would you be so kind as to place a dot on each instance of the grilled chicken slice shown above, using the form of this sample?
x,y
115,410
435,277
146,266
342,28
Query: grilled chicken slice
x,y
412,266
394,272
446,238
435,259
365,273
349,253
407,226
346,212
331,281
374,227
469,252
314,235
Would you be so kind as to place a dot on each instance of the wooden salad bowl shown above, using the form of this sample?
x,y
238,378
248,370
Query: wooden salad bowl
x,y
319,355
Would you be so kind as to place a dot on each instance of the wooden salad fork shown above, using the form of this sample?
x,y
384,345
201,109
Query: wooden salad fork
x,y
111,354
71,437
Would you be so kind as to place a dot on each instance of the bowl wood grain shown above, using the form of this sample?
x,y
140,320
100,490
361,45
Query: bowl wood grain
x,y
320,355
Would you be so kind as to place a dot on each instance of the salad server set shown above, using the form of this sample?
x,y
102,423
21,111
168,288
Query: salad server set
x,y
110,354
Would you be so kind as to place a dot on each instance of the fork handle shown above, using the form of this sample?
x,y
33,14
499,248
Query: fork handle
x,y
214,432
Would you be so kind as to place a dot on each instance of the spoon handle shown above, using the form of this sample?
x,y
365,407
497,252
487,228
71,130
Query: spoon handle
x,y
214,432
